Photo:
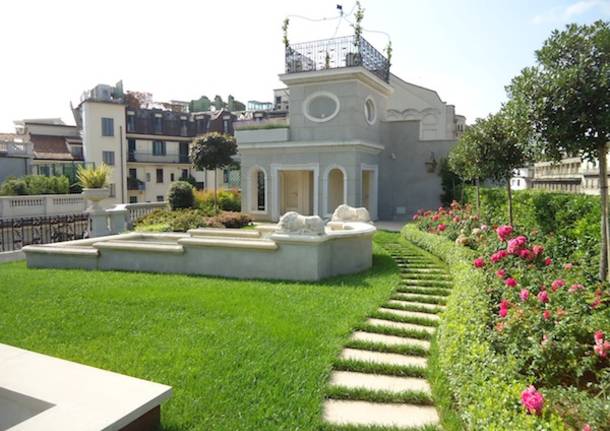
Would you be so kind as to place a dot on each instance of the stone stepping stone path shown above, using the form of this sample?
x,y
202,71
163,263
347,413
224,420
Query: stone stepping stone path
x,y
379,379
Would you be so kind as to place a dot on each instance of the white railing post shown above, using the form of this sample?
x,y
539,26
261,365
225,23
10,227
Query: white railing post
x,y
118,219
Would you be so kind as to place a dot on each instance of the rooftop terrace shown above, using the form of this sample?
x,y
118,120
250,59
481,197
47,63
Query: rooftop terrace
x,y
336,53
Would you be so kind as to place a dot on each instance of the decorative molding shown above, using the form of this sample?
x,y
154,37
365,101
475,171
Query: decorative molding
x,y
315,95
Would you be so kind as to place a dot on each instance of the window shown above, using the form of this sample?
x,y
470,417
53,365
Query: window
x,y
185,173
112,190
370,112
76,151
225,176
158,124
108,157
171,177
131,150
148,177
107,126
260,191
225,126
159,148
183,128
159,175
321,106
131,123
133,199
159,198
133,173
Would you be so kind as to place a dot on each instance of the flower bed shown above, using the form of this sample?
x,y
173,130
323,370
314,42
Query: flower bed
x,y
525,341
181,220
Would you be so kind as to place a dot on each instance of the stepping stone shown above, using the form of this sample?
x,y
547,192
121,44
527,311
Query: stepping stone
x,y
401,325
375,382
414,314
390,340
343,412
431,307
419,296
423,290
431,271
383,358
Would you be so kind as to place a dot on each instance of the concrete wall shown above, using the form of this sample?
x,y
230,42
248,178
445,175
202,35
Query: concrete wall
x,y
405,185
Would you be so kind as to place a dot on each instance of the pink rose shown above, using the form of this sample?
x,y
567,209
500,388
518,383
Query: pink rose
x,y
586,427
557,284
504,304
503,232
435,217
416,216
538,249
442,227
479,262
575,288
456,219
484,227
524,294
543,296
568,266
548,261
532,400
510,282
546,314
598,336
498,256
501,273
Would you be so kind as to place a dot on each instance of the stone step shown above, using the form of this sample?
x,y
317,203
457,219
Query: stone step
x,y
406,313
401,325
431,307
364,413
420,297
390,340
425,270
425,290
383,358
376,382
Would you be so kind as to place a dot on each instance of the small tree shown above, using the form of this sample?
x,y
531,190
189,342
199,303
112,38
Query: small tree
x,y
213,151
567,95
181,195
468,158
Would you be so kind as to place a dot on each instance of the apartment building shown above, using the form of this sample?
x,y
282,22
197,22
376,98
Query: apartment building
x,y
147,148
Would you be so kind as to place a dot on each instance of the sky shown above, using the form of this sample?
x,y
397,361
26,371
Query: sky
x,y
51,51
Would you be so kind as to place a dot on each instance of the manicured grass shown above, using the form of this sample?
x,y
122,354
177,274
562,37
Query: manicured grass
x,y
240,355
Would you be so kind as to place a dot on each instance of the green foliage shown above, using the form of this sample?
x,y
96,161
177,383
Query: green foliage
x,y
468,158
180,195
35,185
285,32
486,385
182,220
358,17
228,200
451,183
94,177
213,151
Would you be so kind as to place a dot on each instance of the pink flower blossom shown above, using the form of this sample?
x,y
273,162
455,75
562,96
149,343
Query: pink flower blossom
x,y
416,216
543,296
598,336
532,400
510,282
441,227
479,262
524,294
456,219
568,266
435,217
557,284
538,249
484,227
546,314
575,288
501,273
498,256
545,340
602,347
504,304
516,244
503,232
586,427
548,261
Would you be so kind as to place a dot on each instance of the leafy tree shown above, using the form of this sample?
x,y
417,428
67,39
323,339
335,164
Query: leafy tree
x,y
567,95
200,105
213,151
468,158
218,103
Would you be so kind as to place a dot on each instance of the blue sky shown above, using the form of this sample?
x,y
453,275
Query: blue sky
x,y
467,50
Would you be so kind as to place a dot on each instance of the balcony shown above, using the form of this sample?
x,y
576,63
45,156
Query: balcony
x,y
336,53
145,157
15,149
135,184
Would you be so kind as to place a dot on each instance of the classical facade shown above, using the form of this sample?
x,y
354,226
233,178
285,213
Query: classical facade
x,y
354,133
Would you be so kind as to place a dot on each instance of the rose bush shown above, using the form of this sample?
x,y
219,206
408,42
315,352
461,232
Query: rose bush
x,y
555,334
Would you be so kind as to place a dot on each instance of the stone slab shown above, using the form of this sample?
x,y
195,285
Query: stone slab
x,y
401,325
390,340
383,358
414,314
343,412
376,382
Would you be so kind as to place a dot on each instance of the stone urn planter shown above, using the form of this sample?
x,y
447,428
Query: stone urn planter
x,y
95,196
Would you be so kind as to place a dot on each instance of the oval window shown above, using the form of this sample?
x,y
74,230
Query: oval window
x,y
321,107
369,110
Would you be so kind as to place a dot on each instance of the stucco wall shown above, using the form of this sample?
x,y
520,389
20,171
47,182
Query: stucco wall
x,y
403,178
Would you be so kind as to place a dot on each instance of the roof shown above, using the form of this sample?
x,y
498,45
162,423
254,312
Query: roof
x,y
51,148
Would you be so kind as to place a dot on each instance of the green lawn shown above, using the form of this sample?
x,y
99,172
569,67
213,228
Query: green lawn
x,y
240,355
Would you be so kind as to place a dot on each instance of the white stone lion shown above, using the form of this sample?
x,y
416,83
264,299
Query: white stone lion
x,y
345,213
295,223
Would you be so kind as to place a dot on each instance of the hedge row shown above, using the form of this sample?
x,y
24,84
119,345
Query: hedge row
x,y
486,386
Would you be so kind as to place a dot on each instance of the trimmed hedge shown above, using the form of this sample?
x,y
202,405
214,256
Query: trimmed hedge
x,y
486,386
34,185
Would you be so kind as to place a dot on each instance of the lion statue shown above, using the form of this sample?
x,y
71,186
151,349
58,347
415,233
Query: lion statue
x,y
295,223
345,213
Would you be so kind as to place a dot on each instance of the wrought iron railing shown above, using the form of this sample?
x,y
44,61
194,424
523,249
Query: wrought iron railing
x,y
17,233
347,51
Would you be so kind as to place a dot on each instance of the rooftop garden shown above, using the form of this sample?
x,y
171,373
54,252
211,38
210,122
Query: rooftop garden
x,y
247,355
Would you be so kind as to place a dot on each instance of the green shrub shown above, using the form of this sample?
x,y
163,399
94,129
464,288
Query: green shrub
x,y
181,220
181,195
228,200
191,219
486,385
35,185
233,220
94,177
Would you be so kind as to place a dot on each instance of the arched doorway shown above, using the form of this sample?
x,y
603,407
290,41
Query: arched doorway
x,y
336,189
